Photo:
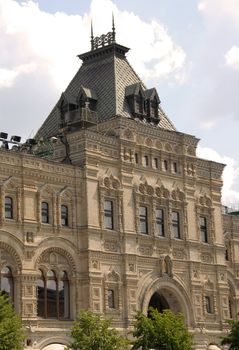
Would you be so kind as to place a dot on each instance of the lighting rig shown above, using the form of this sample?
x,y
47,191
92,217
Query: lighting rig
x,y
15,141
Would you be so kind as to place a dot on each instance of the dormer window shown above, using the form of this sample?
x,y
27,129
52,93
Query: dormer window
x,y
143,103
87,98
136,99
139,103
152,105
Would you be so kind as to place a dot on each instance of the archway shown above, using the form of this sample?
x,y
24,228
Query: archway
x,y
54,347
164,299
158,302
168,293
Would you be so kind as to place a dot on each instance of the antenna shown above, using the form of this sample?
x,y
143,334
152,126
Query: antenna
x,y
113,27
92,36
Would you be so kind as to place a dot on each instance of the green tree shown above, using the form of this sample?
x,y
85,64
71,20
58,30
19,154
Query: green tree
x,y
90,332
232,339
11,328
161,331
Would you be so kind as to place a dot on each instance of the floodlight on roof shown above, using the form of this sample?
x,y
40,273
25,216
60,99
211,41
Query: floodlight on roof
x,y
31,142
16,138
3,135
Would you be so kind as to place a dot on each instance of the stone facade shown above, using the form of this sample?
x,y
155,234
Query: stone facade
x,y
134,220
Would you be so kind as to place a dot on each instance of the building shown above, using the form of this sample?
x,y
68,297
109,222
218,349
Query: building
x,y
113,211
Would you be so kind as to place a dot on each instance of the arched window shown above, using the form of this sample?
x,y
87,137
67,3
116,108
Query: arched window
x,y
64,215
41,295
63,289
8,208
53,295
7,281
45,213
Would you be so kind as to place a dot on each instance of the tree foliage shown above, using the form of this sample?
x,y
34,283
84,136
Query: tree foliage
x,y
161,331
232,339
90,332
11,328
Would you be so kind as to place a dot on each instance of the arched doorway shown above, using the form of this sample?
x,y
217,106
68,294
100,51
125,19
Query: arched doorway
x,y
55,347
164,299
166,293
158,302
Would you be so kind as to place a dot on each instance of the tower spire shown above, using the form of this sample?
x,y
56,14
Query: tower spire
x,y
92,36
113,28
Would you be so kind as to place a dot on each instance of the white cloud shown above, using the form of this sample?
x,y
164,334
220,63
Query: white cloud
x,y
209,124
54,39
230,176
232,57
8,76
220,9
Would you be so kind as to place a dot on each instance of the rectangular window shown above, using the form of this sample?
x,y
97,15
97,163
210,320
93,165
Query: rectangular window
x,y
203,229
175,224
165,165
136,158
145,161
64,215
143,216
159,222
111,299
45,213
175,167
108,215
155,163
8,208
208,305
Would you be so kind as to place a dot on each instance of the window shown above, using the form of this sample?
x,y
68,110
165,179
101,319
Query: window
x,y
230,308
6,284
8,208
159,222
165,165
203,229
136,158
175,167
143,218
145,161
155,163
227,253
108,215
111,299
139,103
154,108
208,305
45,213
175,224
53,295
64,215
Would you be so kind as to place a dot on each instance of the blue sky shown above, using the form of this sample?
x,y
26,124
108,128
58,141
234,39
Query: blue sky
x,y
187,49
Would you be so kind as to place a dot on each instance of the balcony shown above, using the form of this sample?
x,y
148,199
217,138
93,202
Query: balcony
x,y
80,117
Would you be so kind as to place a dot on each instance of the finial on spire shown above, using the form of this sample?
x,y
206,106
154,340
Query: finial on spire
x,y
92,36
113,27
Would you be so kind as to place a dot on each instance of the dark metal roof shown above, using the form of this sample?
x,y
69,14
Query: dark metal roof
x,y
105,73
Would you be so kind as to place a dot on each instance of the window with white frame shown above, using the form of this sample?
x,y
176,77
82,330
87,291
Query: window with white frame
x,y
64,215
53,295
45,213
159,222
203,229
143,219
108,214
176,224
8,208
